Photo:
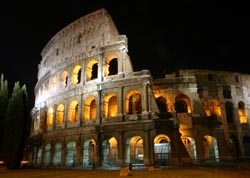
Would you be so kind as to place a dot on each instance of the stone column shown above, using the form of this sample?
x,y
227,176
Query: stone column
x,y
145,103
121,148
120,102
146,148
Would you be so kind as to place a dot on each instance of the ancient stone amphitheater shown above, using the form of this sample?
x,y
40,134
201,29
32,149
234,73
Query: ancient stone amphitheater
x,y
92,109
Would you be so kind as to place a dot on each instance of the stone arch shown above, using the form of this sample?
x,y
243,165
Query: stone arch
x,y
229,112
76,75
47,151
190,146
50,117
89,109
111,65
39,155
215,107
182,104
162,150
133,102
64,79
73,111
110,152
246,142
92,70
210,148
59,114
110,107
134,150
89,152
234,146
162,104
242,112
71,152
57,154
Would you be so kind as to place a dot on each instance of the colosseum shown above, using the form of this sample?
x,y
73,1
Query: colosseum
x,y
92,109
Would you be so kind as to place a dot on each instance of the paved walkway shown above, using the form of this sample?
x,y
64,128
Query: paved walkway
x,y
194,172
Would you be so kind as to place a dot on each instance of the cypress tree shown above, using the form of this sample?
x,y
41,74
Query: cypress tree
x,y
15,122
3,96
3,107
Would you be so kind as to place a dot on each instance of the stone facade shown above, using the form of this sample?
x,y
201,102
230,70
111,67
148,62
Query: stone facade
x,y
91,109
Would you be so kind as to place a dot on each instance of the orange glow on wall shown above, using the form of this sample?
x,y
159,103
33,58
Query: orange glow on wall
x,y
54,83
64,79
89,110
59,114
75,73
73,111
89,69
50,117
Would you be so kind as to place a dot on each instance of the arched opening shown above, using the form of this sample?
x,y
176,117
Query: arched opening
x,y
210,148
134,150
111,65
133,103
73,111
89,109
59,114
110,152
46,159
162,150
39,156
64,77
110,106
190,146
50,117
92,70
215,108
246,142
57,154
229,111
182,104
76,75
162,104
242,113
89,152
71,153
234,146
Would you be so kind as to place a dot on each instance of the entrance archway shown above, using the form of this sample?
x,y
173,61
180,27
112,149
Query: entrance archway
x,y
110,152
210,148
162,150
134,150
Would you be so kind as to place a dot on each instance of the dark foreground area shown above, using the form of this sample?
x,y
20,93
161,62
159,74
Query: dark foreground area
x,y
191,172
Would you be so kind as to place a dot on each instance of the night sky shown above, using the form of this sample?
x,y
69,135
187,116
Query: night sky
x,y
163,36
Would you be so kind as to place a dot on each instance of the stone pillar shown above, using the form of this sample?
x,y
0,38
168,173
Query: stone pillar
x,y
121,148
79,119
83,74
120,102
100,68
54,116
65,117
146,148
98,147
64,151
99,107
145,103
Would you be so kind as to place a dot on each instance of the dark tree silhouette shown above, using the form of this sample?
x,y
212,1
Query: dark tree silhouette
x,y
14,127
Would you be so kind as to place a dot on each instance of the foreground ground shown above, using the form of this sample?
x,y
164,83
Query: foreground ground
x,y
193,172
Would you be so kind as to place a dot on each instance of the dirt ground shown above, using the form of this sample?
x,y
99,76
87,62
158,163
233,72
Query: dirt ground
x,y
194,172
